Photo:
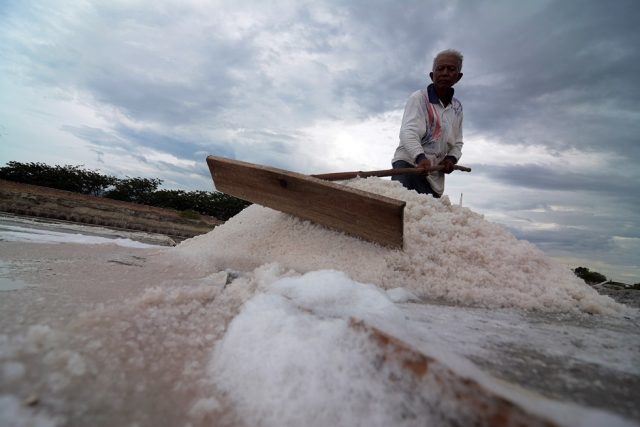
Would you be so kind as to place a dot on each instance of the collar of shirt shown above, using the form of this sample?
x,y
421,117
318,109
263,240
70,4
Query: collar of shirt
x,y
433,95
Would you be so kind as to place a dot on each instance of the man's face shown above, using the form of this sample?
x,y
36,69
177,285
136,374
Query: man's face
x,y
445,72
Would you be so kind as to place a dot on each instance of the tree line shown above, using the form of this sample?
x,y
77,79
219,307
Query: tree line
x,y
137,190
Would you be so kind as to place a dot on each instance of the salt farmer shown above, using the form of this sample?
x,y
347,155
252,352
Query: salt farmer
x,y
431,131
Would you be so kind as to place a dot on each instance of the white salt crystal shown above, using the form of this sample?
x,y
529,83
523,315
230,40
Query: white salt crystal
x,y
76,364
13,371
41,337
291,358
204,407
450,253
400,295
13,414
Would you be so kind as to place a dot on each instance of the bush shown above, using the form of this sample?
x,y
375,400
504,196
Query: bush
x,y
137,190
219,205
69,178
590,277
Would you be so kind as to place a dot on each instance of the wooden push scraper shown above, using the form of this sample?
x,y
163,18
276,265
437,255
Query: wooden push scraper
x,y
372,217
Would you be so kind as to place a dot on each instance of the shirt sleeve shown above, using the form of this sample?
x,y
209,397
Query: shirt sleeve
x,y
456,149
414,125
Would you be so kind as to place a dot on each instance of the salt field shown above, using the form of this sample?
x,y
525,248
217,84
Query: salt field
x,y
268,320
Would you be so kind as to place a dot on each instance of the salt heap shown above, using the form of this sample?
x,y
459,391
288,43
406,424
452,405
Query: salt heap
x,y
451,254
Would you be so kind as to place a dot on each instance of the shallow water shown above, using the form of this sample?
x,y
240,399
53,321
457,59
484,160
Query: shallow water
x,y
39,230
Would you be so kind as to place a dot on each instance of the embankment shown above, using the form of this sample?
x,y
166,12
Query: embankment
x,y
43,202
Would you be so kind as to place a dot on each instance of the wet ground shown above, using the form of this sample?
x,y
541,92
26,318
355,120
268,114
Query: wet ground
x,y
94,312
590,360
9,222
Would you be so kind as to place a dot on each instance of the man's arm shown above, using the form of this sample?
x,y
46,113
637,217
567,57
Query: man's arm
x,y
456,149
455,152
414,126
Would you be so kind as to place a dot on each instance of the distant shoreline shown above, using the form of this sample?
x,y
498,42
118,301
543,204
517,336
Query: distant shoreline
x,y
49,203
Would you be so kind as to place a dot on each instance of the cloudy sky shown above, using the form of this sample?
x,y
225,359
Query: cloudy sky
x,y
551,94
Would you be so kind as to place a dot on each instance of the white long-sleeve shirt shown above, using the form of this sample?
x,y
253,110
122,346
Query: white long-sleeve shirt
x,y
430,128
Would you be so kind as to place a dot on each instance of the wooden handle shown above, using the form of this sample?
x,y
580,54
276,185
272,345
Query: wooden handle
x,y
339,176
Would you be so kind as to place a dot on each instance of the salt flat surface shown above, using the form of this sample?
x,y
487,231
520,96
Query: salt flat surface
x,y
37,230
25,234
249,325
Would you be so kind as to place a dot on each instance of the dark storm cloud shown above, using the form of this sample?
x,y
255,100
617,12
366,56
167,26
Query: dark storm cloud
x,y
143,81
598,200
131,141
180,148
392,53
571,67
275,148
107,142
98,137
545,178
151,87
570,240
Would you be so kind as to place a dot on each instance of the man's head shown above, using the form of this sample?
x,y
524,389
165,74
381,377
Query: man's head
x,y
447,68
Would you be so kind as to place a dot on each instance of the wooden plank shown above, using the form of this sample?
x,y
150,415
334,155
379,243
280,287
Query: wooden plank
x,y
476,404
366,215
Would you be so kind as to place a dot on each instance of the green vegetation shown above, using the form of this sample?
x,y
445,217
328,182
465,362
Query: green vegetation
x,y
594,278
69,178
137,190
590,277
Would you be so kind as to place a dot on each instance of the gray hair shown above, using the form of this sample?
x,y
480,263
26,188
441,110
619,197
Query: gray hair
x,y
449,52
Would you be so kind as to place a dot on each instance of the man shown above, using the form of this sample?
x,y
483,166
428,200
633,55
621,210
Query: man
x,y
431,131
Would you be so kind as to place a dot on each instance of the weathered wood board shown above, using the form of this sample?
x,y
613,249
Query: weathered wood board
x,y
366,215
475,404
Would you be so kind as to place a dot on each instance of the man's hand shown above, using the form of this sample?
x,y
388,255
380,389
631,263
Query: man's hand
x,y
448,164
424,164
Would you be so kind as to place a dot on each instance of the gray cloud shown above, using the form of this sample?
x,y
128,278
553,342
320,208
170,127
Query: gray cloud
x,y
570,67
545,178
